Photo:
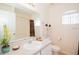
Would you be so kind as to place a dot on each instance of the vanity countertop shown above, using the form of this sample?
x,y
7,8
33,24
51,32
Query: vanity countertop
x,y
28,48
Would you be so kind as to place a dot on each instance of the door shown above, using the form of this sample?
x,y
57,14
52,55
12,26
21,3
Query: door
x,y
32,28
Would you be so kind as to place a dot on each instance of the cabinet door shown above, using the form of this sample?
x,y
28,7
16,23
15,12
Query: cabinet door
x,y
47,50
38,53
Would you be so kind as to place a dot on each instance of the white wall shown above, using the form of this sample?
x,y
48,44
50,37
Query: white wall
x,y
65,36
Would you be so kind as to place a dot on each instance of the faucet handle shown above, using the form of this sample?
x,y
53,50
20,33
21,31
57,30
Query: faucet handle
x,y
39,38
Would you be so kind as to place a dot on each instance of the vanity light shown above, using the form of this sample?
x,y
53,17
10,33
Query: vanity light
x,y
46,25
49,25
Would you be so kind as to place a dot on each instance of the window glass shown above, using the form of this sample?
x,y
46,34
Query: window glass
x,y
70,18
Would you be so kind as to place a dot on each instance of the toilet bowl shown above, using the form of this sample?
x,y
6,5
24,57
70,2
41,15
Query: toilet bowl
x,y
55,50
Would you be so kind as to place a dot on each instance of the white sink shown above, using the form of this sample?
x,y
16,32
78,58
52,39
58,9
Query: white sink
x,y
32,46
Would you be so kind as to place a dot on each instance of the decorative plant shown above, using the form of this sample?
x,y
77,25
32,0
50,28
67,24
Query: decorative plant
x,y
6,37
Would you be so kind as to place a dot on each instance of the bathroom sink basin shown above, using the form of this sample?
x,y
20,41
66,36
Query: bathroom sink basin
x,y
32,46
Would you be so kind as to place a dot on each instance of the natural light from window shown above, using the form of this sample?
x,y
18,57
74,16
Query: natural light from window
x,y
37,21
70,18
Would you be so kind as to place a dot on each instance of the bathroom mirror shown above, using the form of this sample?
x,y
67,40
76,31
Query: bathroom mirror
x,y
38,25
22,22
27,24
7,17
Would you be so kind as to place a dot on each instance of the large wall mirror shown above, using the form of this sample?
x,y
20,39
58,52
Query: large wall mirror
x,y
8,18
27,24
22,23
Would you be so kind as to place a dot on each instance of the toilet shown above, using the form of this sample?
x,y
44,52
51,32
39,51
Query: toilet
x,y
55,50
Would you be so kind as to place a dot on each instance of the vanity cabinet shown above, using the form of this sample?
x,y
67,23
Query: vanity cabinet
x,y
47,50
39,53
